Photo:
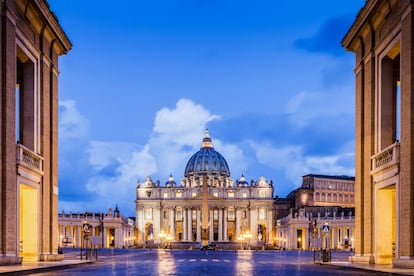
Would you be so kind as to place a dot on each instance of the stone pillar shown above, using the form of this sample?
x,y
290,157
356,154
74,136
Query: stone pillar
x,y
220,224
185,224
225,235
198,225
211,234
172,224
190,224
270,227
9,251
405,233
238,223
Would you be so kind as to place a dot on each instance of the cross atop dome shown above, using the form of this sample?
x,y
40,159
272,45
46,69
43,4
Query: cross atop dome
x,y
207,143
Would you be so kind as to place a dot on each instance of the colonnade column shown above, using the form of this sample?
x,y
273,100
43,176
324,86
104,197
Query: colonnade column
x,y
270,227
184,224
238,232
220,224
225,237
172,224
190,224
198,225
211,229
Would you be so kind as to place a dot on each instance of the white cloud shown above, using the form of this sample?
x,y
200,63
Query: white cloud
x,y
177,134
72,125
294,163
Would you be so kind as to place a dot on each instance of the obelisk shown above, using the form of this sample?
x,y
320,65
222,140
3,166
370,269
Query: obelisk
x,y
204,213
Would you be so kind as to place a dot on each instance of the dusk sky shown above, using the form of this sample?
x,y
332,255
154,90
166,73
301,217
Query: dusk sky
x,y
144,79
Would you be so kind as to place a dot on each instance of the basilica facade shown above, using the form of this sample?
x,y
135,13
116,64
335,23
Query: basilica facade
x,y
206,206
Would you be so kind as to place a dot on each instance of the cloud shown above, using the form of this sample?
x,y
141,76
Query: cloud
x,y
294,162
327,39
117,166
177,133
72,125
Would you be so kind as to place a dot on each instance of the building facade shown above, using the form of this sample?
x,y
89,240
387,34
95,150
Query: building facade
x,y
103,230
382,39
31,41
232,212
321,214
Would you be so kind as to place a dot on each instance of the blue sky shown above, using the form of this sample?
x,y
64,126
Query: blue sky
x,y
144,79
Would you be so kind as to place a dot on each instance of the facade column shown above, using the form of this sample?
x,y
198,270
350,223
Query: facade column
x,y
198,225
157,222
211,230
190,224
172,224
405,196
238,220
270,227
225,235
185,224
253,223
220,224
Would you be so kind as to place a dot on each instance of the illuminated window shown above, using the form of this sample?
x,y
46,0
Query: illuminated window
x,y
165,195
193,194
179,194
194,214
244,195
230,194
215,194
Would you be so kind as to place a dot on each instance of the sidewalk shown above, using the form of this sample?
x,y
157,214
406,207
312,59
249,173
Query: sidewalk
x,y
373,267
37,267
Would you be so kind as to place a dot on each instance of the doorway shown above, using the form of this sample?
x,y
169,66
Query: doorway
x,y
385,225
29,223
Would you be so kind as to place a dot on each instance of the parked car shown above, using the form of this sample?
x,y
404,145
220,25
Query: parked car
x,y
209,246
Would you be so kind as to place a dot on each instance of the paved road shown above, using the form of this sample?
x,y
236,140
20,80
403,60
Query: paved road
x,y
195,262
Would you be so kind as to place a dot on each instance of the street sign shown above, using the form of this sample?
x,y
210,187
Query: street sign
x,y
325,228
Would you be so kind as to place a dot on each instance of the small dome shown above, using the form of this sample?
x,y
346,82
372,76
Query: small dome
x,y
170,182
207,160
242,181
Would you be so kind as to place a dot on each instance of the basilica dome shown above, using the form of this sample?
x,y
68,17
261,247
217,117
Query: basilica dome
x,y
207,161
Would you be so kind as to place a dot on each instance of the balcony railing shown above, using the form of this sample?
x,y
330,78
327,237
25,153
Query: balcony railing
x,y
387,158
28,158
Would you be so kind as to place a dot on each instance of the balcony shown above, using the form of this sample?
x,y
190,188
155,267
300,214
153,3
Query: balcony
x,y
387,159
28,159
